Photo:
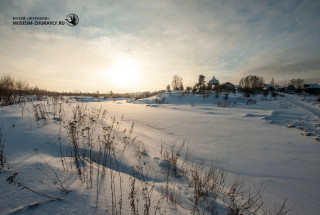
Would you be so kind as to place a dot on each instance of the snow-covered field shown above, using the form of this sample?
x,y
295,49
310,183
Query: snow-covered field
x,y
261,141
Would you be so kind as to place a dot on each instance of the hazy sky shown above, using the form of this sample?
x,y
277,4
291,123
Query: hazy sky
x,y
139,45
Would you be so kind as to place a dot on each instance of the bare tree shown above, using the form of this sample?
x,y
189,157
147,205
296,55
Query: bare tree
x,y
297,83
251,84
176,82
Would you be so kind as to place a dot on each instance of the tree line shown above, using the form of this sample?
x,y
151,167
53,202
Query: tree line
x,y
249,85
16,92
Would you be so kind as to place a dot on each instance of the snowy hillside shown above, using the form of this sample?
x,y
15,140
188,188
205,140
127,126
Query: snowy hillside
x,y
169,154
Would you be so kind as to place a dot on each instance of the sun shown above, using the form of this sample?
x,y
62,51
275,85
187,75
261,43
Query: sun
x,y
125,72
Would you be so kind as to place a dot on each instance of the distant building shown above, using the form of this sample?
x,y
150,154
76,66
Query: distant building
x,y
227,87
290,89
213,83
312,89
268,87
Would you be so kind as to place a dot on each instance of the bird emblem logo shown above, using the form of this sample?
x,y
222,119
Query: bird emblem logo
x,y
72,20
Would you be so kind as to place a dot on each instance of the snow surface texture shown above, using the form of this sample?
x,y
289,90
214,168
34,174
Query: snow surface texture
x,y
259,140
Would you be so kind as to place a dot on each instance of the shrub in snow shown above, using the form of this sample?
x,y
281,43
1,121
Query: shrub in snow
x,y
160,100
141,150
242,198
274,94
172,157
251,101
2,157
222,104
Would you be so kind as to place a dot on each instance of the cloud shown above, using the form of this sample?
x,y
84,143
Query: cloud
x,y
307,69
226,39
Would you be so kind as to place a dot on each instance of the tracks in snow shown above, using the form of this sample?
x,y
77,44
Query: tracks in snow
x,y
304,106
155,127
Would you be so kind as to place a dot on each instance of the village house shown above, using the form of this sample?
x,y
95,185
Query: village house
x,y
288,89
213,83
268,87
312,89
227,87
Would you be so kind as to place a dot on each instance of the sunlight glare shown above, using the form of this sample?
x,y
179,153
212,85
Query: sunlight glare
x,y
125,72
